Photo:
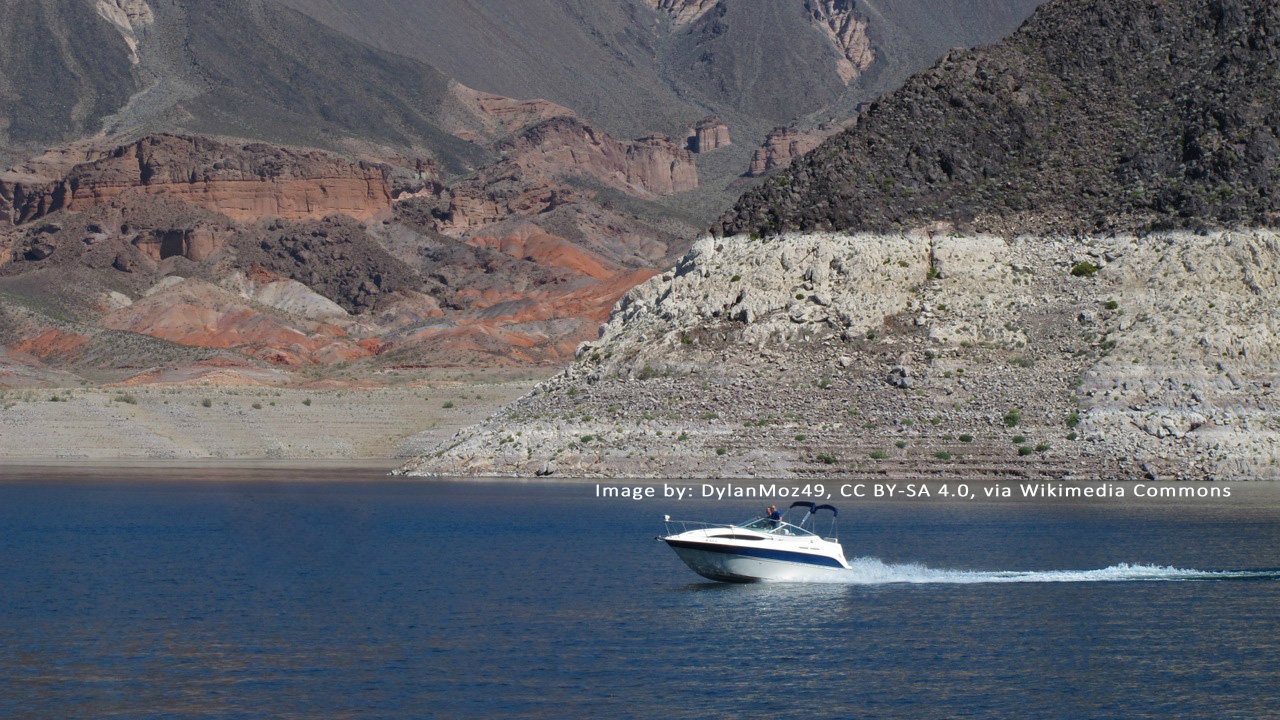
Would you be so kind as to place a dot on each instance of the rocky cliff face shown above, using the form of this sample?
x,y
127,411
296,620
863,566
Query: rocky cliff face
x,y
1069,125
243,182
847,30
710,133
683,12
781,147
492,116
916,357
130,17
516,264
647,167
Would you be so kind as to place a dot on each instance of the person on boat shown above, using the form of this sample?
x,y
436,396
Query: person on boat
x,y
773,515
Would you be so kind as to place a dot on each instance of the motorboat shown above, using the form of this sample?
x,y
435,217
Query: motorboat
x,y
785,549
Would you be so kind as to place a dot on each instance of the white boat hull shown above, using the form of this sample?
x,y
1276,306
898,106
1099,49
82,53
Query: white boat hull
x,y
730,564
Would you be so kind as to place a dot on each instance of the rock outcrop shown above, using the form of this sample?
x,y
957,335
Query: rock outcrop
x,y
244,182
492,116
781,147
1091,118
683,12
710,133
847,30
647,167
918,357
130,17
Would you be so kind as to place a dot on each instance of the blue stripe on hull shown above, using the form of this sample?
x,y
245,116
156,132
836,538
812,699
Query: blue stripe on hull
x,y
763,553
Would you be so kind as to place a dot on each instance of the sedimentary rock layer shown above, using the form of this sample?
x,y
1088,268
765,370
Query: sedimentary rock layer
x,y
244,182
918,356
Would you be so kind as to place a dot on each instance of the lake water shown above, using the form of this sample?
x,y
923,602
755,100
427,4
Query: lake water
x,y
281,593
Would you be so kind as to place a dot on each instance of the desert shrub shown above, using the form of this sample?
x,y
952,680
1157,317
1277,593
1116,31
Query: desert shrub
x,y
1042,447
257,406
966,438
307,402
1111,304
900,444
206,403
1019,439
942,455
448,404
1024,450
826,458
878,455
128,399
1012,418
1084,269
1073,419
721,451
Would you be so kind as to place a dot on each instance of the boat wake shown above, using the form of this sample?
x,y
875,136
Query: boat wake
x,y
871,571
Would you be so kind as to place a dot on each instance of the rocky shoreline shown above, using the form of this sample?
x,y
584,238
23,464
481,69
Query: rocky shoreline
x,y
917,356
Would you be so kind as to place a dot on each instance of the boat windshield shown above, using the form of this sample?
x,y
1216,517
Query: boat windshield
x,y
774,527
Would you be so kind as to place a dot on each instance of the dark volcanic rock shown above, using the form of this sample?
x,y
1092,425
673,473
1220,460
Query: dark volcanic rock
x,y
334,257
1113,115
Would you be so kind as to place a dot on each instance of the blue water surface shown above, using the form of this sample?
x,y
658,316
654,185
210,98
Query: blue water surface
x,y
288,593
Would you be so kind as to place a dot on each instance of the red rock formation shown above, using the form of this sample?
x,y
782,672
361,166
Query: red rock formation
x,y
495,115
244,182
51,343
709,134
645,167
781,146
530,242
194,312
196,244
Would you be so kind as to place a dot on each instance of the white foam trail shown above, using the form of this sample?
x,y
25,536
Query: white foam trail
x,y
871,571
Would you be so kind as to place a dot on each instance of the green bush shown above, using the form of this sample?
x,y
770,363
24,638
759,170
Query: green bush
x,y
1042,447
1072,435
1012,418
879,455
587,438
257,406
1024,450
826,458
307,402
206,403
1073,419
1019,439
447,404
127,399
900,444
1111,304
966,438
721,451
801,438
942,455
1084,269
